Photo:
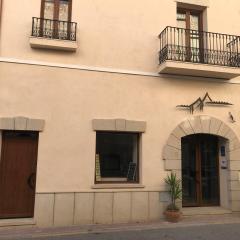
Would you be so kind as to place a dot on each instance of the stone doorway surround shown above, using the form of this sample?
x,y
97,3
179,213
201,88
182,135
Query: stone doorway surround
x,y
208,125
21,124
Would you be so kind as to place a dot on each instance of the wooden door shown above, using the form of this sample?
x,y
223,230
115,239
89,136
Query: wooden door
x,y
18,174
200,170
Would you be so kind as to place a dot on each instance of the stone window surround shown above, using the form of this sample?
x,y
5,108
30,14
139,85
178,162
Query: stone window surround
x,y
197,3
120,125
209,125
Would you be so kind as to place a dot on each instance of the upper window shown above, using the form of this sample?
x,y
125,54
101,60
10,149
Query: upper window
x,y
190,41
189,19
117,157
56,9
55,20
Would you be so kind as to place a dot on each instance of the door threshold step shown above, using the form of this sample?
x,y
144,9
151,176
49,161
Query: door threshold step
x,y
17,222
191,211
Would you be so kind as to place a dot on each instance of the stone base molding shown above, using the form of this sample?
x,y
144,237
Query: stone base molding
x,y
208,125
66,209
21,123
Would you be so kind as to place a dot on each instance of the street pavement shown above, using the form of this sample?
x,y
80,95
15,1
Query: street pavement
x,y
215,232
222,227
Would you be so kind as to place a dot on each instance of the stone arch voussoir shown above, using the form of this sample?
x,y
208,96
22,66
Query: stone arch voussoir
x,y
194,125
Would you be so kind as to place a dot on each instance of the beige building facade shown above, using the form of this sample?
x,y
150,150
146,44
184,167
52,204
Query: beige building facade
x,y
99,94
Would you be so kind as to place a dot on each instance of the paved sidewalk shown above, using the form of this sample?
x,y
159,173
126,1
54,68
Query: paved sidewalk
x,y
193,221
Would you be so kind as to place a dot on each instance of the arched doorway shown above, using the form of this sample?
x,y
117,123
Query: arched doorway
x,y
206,129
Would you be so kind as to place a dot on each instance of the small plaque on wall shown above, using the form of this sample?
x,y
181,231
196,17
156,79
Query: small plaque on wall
x,y
224,164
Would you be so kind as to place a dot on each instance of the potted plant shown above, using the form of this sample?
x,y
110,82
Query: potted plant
x,y
173,213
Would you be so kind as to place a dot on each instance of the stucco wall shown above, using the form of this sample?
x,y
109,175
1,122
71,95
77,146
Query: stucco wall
x,y
102,25
68,100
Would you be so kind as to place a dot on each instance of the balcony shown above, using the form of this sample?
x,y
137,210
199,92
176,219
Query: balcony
x,y
53,34
198,53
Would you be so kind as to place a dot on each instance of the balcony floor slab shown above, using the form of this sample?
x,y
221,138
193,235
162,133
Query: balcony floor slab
x,y
198,70
55,44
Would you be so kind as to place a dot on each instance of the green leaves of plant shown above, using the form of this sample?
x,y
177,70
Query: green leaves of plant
x,y
174,185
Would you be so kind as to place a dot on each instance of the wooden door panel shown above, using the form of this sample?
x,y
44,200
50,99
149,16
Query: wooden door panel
x,y
18,164
189,172
209,171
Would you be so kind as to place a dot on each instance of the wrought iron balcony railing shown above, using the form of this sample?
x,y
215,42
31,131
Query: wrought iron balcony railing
x,y
186,45
54,29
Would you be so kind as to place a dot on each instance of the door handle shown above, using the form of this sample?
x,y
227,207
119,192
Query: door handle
x,y
31,181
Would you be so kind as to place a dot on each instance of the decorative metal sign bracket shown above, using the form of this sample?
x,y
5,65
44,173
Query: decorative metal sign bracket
x,y
201,102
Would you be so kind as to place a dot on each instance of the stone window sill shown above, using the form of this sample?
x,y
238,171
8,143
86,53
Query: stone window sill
x,y
117,185
55,44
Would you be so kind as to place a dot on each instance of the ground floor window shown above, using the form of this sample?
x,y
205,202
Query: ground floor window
x,y
117,157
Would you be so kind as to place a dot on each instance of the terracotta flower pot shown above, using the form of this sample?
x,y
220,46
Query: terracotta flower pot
x,y
173,215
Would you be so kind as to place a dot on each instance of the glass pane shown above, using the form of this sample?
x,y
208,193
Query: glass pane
x,y
181,20
48,14
117,152
63,10
195,51
181,24
179,48
189,184
48,27
194,38
49,9
209,170
63,16
194,42
181,16
194,22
